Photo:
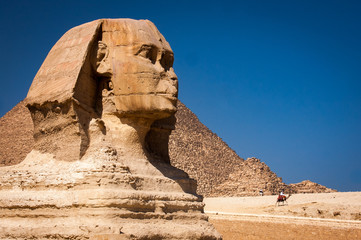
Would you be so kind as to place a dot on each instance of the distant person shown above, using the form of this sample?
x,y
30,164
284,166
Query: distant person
x,y
281,196
261,192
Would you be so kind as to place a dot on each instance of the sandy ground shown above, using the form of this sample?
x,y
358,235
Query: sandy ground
x,y
304,216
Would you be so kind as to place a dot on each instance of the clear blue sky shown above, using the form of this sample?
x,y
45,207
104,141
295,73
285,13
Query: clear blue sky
x,y
276,80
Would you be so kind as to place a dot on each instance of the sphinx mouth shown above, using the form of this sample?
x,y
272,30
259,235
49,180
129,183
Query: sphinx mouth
x,y
170,96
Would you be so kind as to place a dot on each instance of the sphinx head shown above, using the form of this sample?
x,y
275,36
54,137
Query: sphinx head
x,y
103,70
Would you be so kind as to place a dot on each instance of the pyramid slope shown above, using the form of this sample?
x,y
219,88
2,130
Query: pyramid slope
x,y
16,135
207,158
253,176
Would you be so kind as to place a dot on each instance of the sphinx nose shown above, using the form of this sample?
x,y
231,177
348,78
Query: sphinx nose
x,y
172,78
172,75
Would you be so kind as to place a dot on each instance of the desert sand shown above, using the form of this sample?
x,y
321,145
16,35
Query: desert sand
x,y
304,216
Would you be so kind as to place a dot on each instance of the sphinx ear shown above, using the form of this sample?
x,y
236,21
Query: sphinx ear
x,y
103,65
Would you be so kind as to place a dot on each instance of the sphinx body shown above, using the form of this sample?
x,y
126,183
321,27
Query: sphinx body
x,y
103,105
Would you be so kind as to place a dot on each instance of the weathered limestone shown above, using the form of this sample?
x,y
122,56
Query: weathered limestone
x,y
103,105
252,176
307,186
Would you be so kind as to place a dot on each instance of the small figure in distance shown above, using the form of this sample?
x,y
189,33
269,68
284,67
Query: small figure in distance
x,y
282,194
261,192
282,198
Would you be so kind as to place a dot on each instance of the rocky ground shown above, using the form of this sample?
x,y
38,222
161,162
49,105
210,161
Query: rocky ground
x,y
238,229
305,216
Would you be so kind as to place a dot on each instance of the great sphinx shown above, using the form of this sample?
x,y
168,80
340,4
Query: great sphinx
x,y
103,105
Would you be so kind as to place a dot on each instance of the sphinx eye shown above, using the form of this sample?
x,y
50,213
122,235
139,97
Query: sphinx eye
x,y
167,60
148,52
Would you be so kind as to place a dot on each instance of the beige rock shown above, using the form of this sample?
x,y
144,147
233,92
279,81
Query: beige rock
x,y
16,135
103,105
307,186
251,177
119,71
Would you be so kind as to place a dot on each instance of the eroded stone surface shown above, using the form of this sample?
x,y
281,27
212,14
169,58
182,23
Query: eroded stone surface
x,y
103,107
252,176
307,186
109,72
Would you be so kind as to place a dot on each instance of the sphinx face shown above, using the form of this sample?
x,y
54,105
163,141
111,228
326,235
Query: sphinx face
x,y
143,80
114,73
